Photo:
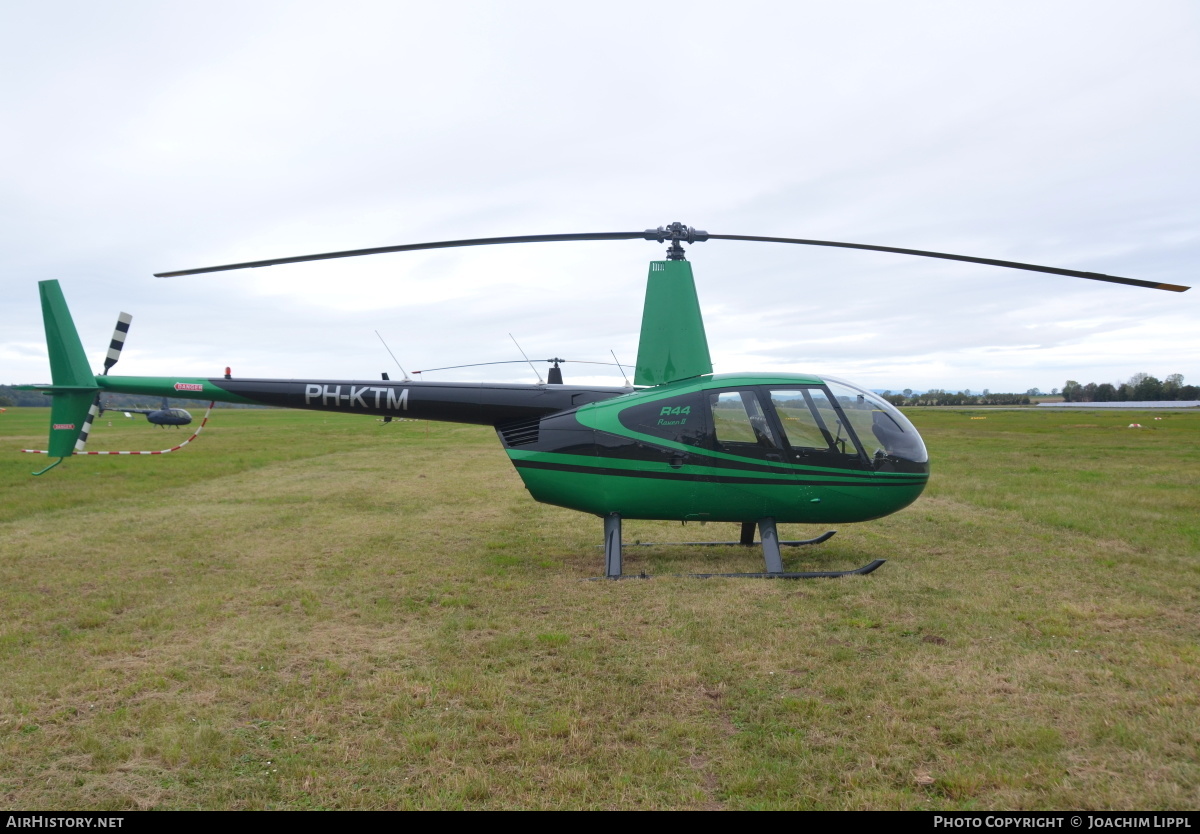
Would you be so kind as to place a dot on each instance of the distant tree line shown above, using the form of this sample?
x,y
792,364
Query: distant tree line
x,y
936,396
1140,388
10,397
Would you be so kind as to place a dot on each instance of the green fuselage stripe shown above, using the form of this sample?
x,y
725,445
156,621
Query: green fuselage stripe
x,y
764,472
171,386
696,473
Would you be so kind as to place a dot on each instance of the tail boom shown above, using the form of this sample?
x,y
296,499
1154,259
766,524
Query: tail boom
x,y
487,404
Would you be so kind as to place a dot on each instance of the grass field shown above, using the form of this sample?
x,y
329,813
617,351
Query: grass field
x,y
321,611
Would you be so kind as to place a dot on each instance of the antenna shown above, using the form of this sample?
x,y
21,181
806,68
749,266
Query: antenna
x,y
394,359
622,370
535,373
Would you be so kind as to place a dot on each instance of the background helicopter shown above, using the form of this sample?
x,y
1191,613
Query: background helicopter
x,y
162,417
750,448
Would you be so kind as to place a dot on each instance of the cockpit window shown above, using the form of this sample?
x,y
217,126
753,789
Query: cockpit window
x,y
739,422
812,423
802,427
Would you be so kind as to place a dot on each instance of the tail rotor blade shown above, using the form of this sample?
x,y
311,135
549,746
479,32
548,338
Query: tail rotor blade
x,y
81,441
118,341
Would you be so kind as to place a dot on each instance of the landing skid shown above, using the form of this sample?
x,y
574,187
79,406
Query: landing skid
x,y
771,556
824,537
815,574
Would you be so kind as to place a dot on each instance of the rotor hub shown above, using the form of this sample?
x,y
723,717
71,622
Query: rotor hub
x,y
678,234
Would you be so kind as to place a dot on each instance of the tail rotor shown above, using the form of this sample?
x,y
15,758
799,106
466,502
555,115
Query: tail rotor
x,y
110,359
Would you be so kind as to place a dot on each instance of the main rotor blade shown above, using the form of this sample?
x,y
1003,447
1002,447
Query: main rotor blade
x,y
677,232
409,247
1094,276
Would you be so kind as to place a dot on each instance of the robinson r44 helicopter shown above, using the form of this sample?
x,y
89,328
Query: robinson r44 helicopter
x,y
161,417
680,444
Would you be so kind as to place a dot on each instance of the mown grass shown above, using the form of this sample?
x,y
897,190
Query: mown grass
x,y
320,611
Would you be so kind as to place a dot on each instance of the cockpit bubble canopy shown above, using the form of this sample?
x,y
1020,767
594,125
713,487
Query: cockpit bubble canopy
x,y
881,429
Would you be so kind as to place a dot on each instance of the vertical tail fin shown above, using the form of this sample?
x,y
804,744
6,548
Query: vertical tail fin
x,y
74,387
673,344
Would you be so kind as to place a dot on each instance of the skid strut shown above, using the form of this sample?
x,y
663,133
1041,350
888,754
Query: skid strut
x,y
612,546
768,535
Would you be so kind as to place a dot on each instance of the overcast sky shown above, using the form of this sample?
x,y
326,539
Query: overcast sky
x,y
143,137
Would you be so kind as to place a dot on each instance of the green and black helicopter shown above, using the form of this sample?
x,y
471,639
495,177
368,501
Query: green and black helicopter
x,y
681,443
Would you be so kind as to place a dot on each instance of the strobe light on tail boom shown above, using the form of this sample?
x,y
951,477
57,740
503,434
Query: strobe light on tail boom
x,y
684,444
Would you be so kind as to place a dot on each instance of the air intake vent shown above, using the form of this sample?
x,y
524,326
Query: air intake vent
x,y
520,434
